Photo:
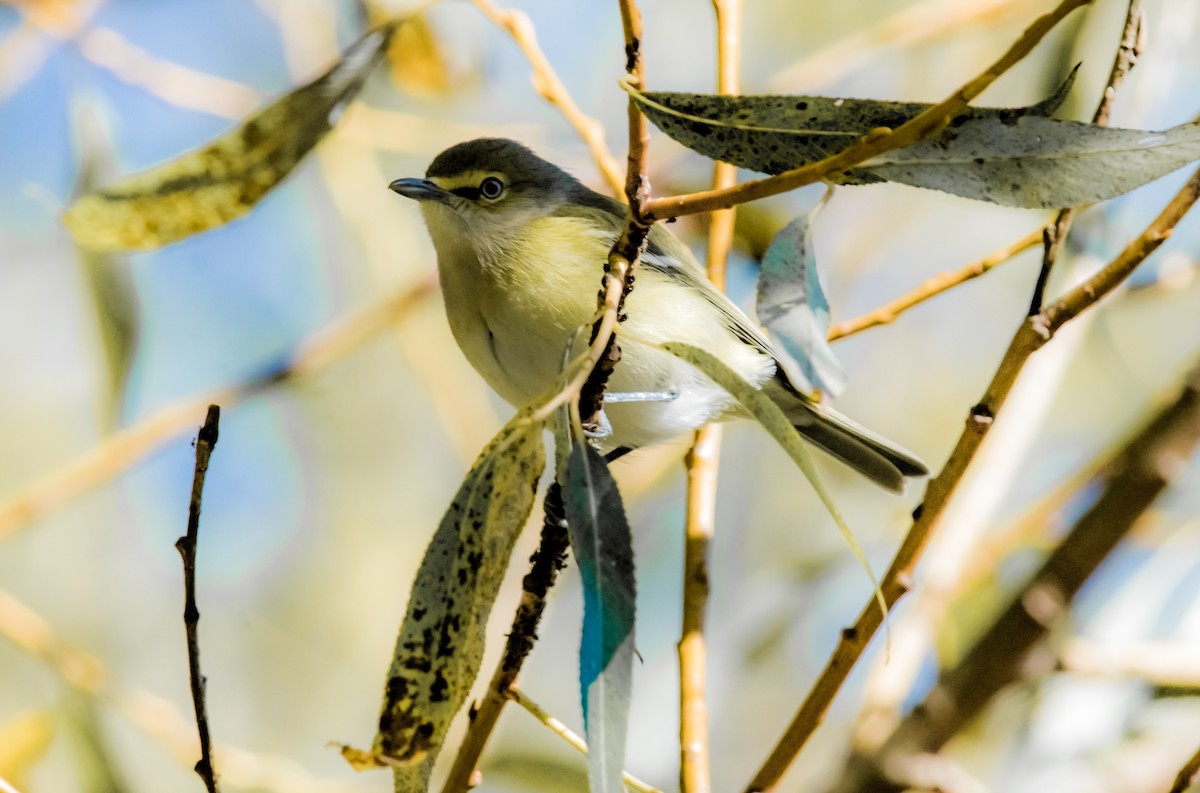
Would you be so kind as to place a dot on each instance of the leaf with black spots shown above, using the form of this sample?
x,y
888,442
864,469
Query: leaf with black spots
x,y
440,645
223,181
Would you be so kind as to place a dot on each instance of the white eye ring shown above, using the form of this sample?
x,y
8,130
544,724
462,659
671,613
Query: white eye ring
x,y
491,188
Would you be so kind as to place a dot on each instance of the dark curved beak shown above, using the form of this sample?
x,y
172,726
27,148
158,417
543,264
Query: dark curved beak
x,y
420,189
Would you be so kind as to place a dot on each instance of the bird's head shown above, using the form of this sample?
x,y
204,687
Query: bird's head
x,y
488,189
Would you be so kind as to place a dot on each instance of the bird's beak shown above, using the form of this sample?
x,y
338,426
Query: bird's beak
x,y
420,189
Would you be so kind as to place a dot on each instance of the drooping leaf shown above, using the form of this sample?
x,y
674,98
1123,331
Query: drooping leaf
x,y
603,547
223,181
440,644
773,134
1016,158
1040,163
776,423
792,306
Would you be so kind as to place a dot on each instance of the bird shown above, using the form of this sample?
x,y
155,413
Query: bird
x,y
520,247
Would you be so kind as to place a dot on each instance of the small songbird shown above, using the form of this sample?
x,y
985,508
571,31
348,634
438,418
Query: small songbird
x,y
521,246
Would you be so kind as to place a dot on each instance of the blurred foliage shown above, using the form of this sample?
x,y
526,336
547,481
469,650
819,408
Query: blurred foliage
x,y
326,490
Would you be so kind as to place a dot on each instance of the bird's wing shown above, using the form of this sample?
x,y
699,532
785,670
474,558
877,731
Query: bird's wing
x,y
667,255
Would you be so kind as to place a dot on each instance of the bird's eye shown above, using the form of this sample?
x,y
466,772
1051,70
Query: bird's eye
x,y
491,188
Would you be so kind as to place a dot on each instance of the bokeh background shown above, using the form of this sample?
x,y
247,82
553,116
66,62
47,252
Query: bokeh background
x,y
324,489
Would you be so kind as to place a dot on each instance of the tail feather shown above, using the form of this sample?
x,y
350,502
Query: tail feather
x,y
872,455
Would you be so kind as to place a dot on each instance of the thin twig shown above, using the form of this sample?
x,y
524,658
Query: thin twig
x,y
1007,652
871,145
549,558
1032,335
1187,774
701,463
575,742
158,718
933,287
1055,233
626,252
548,85
919,23
206,441
122,450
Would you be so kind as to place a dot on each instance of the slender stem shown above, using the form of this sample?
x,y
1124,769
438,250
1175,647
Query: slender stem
x,y
702,463
206,441
626,252
1187,774
871,145
1128,51
122,450
932,288
1031,336
551,88
549,558
1128,486
573,740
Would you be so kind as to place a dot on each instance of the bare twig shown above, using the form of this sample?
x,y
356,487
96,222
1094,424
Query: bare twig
x,y
549,558
1055,233
919,23
548,85
701,463
1130,483
156,717
626,252
871,145
1032,335
573,740
1187,774
206,441
119,452
932,288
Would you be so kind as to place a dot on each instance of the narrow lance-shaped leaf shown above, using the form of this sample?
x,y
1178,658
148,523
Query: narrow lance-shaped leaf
x,y
776,423
773,134
1014,158
223,181
440,644
603,547
1039,163
792,306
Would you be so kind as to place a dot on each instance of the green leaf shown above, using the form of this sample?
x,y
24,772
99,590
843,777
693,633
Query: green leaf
x,y
1039,163
776,422
1017,158
603,547
792,307
223,181
441,638
773,134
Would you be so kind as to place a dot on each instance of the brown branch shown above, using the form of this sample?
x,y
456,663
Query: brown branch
x,y
1130,483
933,287
549,558
702,463
548,85
156,717
1187,774
1031,336
871,145
622,261
124,449
573,740
206,441
1055,233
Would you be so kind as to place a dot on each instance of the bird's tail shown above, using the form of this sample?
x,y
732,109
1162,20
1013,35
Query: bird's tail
x,y
872,455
